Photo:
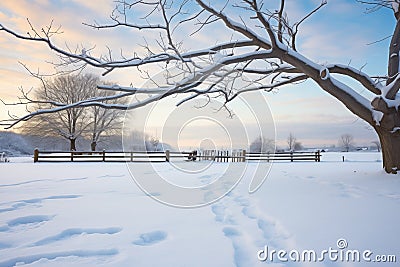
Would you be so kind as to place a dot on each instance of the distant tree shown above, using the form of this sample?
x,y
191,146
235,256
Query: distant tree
x,y
262,145
14,144
377,145
346,141
104,122
298,146
154,142
136,141
69,124
73,123
291,141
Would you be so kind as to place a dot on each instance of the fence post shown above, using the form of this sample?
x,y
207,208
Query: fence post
x,y
36,155
72,155
131,156
167,155
318,156
244,155
291,156
104,155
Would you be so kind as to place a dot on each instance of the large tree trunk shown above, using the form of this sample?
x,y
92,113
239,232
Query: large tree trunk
x,y
72,145
93,145
388,131
390,143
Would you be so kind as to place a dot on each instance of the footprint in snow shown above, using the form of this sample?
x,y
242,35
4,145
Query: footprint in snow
x,y
150,238
69,233
250,212
241,255
221,214
242,201
33,219
15,205
54,255
230,232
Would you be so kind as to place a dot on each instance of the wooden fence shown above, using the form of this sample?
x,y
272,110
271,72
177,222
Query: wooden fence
x,y
166,156
106,156
242,156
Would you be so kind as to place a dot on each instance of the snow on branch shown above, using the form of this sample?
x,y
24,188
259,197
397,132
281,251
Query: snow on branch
x,y
373,86
270,87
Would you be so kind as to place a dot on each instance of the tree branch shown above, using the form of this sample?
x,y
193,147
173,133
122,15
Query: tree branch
x,y
364,79
237,27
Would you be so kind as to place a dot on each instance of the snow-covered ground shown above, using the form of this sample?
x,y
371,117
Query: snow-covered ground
x,y
94,214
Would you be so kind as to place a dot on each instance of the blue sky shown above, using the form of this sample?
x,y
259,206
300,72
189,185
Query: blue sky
x,y
339,33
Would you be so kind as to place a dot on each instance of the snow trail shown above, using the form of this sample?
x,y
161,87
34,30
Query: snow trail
x,y
249,229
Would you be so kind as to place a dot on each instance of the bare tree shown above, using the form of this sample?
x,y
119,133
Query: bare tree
x,y
298,146
137,141
262,145
377,145
346,141
291,141
263,50
71,124
155,142
103,121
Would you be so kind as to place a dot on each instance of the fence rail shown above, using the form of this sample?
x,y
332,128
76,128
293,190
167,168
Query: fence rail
x,y
166,156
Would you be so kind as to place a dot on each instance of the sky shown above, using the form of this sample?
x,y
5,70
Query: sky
x,y
341,32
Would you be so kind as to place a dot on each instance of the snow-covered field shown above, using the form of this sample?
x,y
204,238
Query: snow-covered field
x,y
94,214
